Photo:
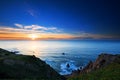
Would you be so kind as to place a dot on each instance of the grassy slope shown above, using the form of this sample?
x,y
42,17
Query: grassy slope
x,y
14,66
110,72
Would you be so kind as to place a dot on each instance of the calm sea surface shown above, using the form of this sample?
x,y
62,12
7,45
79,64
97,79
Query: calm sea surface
x,y
77,53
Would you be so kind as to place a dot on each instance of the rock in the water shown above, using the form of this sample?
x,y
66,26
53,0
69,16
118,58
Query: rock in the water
x,y
63,53
68,65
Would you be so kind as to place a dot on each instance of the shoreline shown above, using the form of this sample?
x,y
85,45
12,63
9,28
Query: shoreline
x,y
9,59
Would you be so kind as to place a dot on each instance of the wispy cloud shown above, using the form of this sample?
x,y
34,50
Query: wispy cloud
x,y
19,25
32,12
84,35
35,28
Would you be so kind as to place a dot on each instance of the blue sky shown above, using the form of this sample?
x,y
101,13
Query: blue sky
x,y
89,18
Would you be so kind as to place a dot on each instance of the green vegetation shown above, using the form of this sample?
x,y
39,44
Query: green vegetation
x,y
16,66
110,72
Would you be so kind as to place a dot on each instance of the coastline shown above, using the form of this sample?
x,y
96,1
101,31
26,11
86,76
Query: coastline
x,y
31,67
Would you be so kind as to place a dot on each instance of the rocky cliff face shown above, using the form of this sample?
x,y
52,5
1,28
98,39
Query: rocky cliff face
x,y
15,66
106,67
102,61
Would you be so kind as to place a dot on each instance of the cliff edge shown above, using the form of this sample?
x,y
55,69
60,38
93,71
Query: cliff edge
x,y
105,67
16,66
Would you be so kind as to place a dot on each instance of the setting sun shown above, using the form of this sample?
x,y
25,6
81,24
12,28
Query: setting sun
x,y
33,36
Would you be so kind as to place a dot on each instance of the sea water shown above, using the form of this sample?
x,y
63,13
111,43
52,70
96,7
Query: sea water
x,y
59,54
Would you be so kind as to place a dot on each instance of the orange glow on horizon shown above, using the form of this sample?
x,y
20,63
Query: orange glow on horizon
x,y
33,36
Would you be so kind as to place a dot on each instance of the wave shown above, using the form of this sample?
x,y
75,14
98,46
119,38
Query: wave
x,y
68,67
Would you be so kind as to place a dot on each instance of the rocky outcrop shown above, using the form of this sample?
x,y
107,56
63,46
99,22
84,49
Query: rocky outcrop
x,y
102,61
16,66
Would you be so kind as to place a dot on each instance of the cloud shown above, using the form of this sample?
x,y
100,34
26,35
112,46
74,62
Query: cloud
x,y
19,25
84,35
42,28
37,28
33,28
32,12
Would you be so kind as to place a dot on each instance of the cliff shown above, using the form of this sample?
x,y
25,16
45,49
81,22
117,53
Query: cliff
x,y
102,61
16,66
105,67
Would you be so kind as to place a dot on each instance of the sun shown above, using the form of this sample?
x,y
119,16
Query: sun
x,y
33,36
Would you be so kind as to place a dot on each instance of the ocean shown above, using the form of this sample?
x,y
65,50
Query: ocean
x,y
58,54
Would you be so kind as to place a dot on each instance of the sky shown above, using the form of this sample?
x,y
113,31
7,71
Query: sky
x,y
59,19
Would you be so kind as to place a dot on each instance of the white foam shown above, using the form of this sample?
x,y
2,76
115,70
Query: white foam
x,y
48,61
68,70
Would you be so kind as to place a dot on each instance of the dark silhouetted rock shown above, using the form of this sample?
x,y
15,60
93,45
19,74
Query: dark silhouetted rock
x,y
63,53
68,65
